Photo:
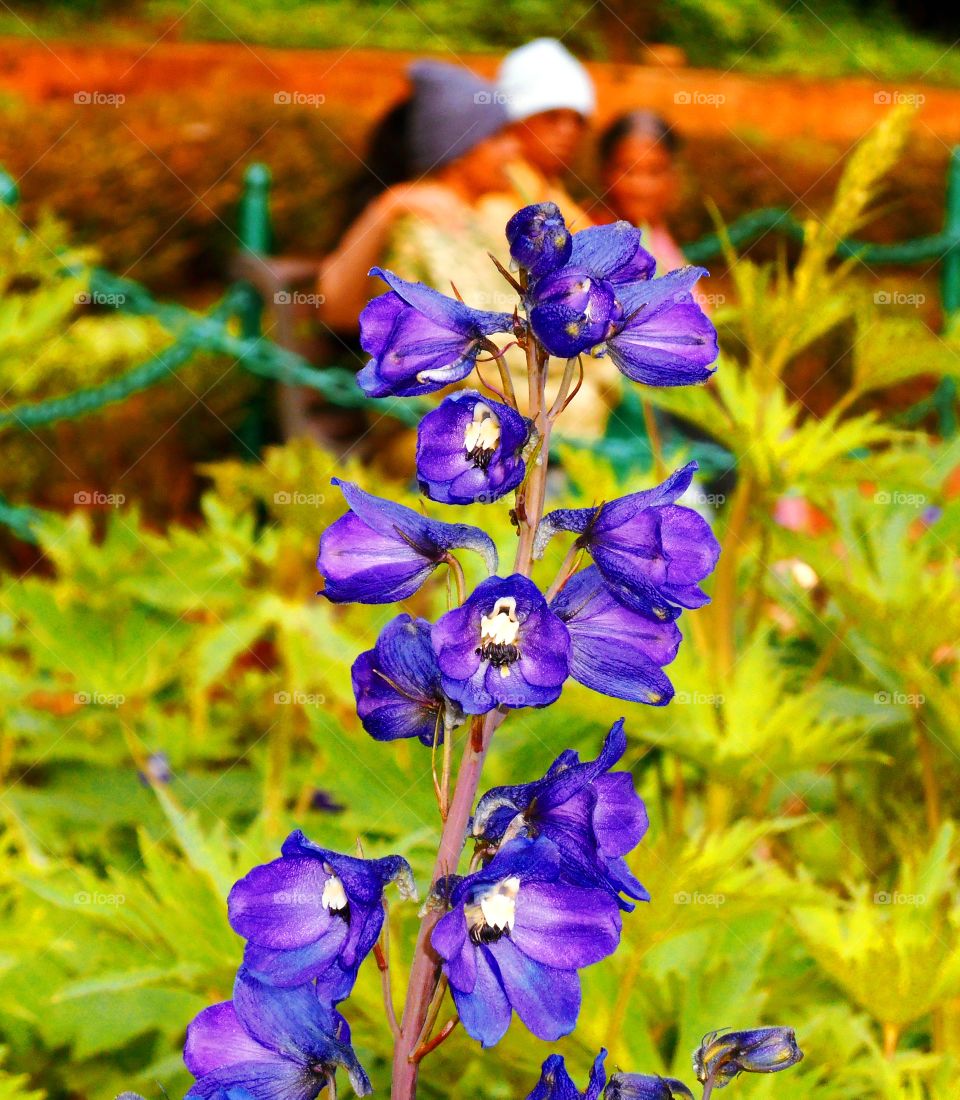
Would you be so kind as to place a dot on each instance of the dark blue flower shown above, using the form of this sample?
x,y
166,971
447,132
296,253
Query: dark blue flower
x,y
572,311
539,239
420,340
642,1086
555,1083
468,449
615,650
614,253
381,552
652,552
592,814
722,1056
313,913
503,647
269,1044
397,685
515,939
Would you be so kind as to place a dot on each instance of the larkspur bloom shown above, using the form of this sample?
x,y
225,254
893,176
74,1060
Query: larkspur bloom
x,y
722,1056
556,1084
652,552
468,449
397,685
420,340
382,552
515,939
592,814
313,913
644,1086
572,312
539,239
503,647
269,1043
615,650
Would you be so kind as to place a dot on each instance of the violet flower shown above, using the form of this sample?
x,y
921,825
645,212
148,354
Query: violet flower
x,y
382,552
269,1043
420,340
722,1056
503,647
651,552
515,938
644,1086
539,239
313,913
555,1083
592,814
397,685
468,449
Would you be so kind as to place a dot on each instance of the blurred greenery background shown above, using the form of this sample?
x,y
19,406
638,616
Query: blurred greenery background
x,y
176,699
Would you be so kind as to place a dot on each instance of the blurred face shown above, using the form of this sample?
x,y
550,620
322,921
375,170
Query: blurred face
x,y
482,169
640,180
550,140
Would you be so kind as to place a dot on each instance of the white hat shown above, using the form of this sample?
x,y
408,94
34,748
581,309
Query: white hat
x,y
544,76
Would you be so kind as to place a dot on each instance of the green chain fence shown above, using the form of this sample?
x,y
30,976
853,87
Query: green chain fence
x,y
213,332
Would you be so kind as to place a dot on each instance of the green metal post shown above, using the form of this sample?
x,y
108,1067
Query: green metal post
x,y
945,396
9,191
254,231
254,221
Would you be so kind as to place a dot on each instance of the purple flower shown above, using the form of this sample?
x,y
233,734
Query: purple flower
x,y
468,449
503,647
592,814
555,1082
615,650
613,252
642,1086
539,239
397,685
313,913
420,340
381,552
652,552
572,311
723,1056
269,1043
516,937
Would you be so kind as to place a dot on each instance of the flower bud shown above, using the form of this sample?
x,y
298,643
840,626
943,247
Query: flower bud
x,y
572,312
641,1086
539,239
722,1057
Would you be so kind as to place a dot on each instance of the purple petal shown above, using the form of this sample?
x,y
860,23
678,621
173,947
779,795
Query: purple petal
x,y
278,905
485,1012
216,1038
620,818
545,999
564,926
613,252
451,942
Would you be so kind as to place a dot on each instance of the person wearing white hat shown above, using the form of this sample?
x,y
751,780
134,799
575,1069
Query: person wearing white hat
x,y
549,98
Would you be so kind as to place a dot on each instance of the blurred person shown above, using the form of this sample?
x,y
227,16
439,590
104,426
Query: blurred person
x,y
549,98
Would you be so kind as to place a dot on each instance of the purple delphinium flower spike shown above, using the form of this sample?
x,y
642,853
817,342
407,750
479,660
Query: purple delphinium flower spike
x,y
539,239
643,1086
722,1056
468,449
555,1083
313,913
592,814
515,938
615,650
397,685
503,647
382,552
651,552
269,1042
664,338
420,340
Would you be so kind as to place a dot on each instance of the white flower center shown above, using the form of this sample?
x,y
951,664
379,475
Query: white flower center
x,y
334,896
498,635
482,436
494,914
